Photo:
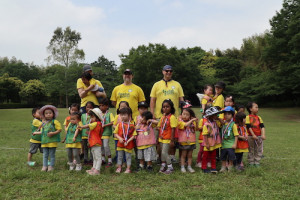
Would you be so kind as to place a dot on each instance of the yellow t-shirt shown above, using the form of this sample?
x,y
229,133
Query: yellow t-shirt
x,y
173,124
37,123
180,126
219,101
57,126
133,94
161,92
90,95
204,101
124,149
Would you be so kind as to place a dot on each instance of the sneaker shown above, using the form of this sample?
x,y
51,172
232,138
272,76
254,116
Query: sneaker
x,y
162,169
127,171
223,169
94,172
209,164
72,166
214,171
50,168
173,160
183,170
168,171
44,169
199,165
119,169
78,167
109,165
191,170
206,171
31,163
90,170
149,168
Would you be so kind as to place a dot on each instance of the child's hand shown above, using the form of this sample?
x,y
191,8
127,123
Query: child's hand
x,y
207,146
234,146
121,140
263,137
63,141
74,139
255,137
79,127
50,134
125,144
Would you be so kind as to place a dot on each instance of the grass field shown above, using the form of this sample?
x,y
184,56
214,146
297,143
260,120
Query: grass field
x,y
278,177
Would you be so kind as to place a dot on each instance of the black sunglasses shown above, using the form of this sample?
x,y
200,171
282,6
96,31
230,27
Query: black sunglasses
x,y
169,71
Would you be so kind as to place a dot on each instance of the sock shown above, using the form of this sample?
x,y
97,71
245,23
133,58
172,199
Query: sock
x,y
109,160
182,166
163,164
170,166
141,166
103,158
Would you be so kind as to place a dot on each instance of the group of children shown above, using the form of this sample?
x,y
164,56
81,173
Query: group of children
x,y
225,134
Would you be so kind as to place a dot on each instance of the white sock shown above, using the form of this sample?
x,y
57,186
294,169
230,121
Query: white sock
x,y
109,160
170,166
190,167
141,165
103,158
182,166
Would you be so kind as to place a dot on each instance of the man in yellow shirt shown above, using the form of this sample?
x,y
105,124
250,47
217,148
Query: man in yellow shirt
x,y
89,88
129,92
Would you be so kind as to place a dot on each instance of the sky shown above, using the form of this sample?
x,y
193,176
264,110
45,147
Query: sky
x,y
111,28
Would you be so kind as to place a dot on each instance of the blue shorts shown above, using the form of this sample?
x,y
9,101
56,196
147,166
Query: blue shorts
x,y
227,154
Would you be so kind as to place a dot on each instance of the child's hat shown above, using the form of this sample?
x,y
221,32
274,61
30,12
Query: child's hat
x,y
143,104
46,107
228,109
220,84
211,111
185,104
97,112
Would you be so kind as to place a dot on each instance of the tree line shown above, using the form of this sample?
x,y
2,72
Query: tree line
x,y
265,69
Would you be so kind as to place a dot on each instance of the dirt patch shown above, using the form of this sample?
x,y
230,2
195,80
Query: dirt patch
x,y
295,118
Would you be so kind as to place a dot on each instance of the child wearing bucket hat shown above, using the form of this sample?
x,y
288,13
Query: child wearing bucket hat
x,y
211,139
94,139
50,131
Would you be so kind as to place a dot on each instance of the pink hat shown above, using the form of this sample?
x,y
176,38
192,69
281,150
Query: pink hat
x,y
46,107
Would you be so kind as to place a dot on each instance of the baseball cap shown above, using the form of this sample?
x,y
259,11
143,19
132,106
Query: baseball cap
x,y
143,104
87,68
167,67
127,70
220,84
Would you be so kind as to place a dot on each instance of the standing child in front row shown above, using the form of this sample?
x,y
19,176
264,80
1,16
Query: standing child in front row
x,y
187,137
211,139
50,132
35,141
72,109
94,139
229,134
167,125
145,141
108,120
125,132
85,119
242,144
73,141
256,130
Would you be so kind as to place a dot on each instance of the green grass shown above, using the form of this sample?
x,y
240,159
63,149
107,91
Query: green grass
x,y
278,177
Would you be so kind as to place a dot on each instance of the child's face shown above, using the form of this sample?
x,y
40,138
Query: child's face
x,y
208,91
241,110
228,102
48,114
93,118
142,110
122,105
166,108
254,108
74,119
73,109
103,107
213,117
228,116
88,108
185,115
144,120
37,114
124,117
218,90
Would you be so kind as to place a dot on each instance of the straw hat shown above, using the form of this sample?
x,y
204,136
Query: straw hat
x,y
97,112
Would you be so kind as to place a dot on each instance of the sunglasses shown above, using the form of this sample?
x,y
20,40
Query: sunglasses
x,y
168,71
127,73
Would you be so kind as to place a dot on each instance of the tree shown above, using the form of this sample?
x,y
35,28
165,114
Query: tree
x,y
33,91
63,49
10,88
228,69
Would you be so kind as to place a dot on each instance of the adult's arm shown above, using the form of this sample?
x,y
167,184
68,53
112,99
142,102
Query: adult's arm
x,y
152,106
113,97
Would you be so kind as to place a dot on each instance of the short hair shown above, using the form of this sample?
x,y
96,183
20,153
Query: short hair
x,y
240,116
104,101
34,110
207,86
147,114
126,110
91,103
170,102
77,114
74,105
239,106
249,106
229,96
127,104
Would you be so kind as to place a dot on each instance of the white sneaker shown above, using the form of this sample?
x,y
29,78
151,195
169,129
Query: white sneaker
x,y
78,167
183,170
209,164
223,169
72,166
199,165
191,170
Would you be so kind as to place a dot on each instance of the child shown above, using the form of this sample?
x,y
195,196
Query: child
x,y
145,141
211,139
108,120
240,108
219,98
35,141
167,125
242,143
125,132
94,139
200,153
229,101
85,119
229,134
73,141
256,130
207,99
73,108
187,137
50,132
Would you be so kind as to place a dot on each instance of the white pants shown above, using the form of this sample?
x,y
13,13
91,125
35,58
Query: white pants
x,y
96,152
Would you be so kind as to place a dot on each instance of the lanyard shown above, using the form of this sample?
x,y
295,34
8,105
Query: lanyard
x,y
223,134
165,123
125,135
104,118
43,124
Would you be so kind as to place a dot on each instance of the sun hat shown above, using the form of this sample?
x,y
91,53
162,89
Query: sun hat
x,y
228,109
143,104
211,111
127,70
185,104
220,84
97,112
87,68
46,107
167,67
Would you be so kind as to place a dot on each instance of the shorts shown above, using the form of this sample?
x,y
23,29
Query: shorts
x,y
147,154
176,145
227,153
187,147
34,147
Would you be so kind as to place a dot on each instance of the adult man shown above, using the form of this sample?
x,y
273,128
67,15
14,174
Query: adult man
x,y
89,88
129,92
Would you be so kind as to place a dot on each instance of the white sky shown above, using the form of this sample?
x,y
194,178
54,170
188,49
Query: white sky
x,y
111,28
